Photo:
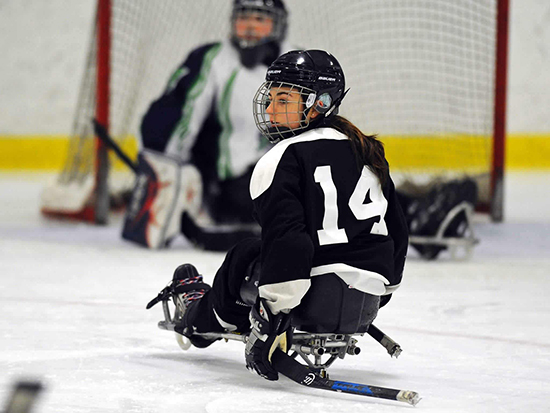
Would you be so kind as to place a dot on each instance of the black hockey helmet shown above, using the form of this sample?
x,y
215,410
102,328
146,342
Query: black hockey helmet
x,y
315,76
275,9
266,49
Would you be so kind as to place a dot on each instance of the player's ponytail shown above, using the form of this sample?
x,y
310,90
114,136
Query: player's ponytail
x,y
368,149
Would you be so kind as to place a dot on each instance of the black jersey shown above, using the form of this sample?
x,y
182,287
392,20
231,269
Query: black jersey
x,y
320,213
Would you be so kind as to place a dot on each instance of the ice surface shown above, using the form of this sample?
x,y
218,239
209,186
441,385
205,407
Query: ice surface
x,y
475,334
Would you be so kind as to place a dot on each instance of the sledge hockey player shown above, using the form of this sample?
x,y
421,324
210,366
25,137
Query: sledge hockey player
x,y
200,141
334,238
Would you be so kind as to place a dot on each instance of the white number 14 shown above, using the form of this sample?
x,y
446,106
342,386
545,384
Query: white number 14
x,y
368,184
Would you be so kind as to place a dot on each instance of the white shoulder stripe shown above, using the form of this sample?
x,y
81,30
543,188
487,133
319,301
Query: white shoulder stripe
x,y
264,171
367,281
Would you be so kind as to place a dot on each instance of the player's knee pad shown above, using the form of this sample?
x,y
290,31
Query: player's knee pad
x,y
164,188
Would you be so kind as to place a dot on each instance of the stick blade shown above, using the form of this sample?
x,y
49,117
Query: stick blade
x,y
299,373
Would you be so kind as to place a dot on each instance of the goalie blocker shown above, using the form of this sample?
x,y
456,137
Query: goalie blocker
x,y
164,189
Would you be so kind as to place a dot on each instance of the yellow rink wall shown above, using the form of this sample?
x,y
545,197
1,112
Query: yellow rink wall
x,y
43,153
48,153
523,151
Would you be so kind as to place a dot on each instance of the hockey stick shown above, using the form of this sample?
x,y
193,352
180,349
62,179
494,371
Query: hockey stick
x,y
295,371
102,134
23,397
219,237
299,373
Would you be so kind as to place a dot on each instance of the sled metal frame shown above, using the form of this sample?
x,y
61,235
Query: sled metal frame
x,y
311,347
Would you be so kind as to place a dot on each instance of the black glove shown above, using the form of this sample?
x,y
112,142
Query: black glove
x,y
268,332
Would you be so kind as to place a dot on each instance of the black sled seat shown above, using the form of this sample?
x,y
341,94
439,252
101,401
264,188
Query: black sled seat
x,y
329,320
331,306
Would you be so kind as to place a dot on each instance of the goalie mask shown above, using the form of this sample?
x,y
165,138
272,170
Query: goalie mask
x,y
296,83
257,29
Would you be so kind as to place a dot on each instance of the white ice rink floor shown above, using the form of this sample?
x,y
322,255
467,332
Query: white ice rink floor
x,y
475,334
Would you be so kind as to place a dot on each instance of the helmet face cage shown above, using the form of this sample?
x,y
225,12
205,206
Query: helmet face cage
x,y
281,109
277,15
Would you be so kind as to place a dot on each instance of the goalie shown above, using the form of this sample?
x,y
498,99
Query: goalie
x,y
200,142
334,238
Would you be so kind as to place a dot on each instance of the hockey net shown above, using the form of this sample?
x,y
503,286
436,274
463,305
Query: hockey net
x,y
427,77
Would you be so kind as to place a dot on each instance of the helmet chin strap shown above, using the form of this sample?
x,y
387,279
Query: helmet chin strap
x,y
334,110
252,56
282,132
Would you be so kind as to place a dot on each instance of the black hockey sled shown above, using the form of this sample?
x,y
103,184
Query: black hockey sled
x,y
317,351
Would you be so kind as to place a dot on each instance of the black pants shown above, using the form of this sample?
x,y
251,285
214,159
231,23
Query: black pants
x,y
329,306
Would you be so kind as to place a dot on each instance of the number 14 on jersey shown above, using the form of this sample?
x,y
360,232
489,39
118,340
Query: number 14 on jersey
x,y
368,184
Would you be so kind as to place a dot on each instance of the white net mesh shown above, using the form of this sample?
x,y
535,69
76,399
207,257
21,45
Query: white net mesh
x,y
421,73
421,76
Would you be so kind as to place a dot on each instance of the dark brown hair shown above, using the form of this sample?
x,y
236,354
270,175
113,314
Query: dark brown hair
x,y
368,149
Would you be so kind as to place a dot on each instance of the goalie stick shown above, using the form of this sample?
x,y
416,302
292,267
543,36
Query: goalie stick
x,y
102,134
216,237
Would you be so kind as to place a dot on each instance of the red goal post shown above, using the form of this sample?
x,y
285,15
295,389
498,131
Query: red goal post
x,y
428,77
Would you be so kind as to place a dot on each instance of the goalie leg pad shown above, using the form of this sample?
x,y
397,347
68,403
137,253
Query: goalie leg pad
x,y
164,188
